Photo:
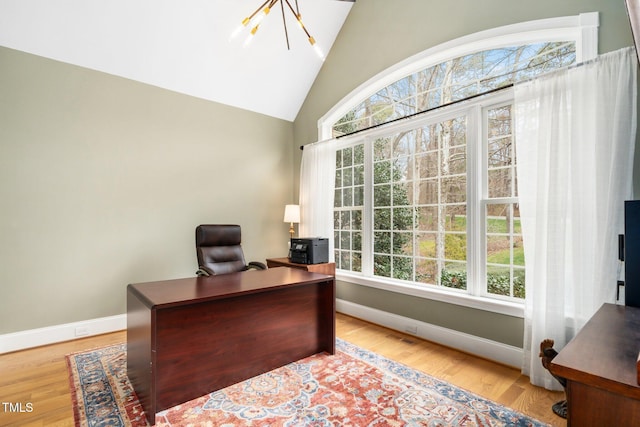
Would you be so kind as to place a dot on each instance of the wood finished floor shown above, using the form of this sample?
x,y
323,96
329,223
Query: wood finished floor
x,y
39,376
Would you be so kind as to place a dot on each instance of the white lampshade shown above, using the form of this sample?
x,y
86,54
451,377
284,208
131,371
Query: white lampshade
x,y
292,213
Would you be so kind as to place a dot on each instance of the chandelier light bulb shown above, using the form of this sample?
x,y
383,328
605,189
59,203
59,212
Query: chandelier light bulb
x,y
252,33
259,17
316,48
239,29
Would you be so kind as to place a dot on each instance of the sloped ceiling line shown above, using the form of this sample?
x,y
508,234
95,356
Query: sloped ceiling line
x,y
181,46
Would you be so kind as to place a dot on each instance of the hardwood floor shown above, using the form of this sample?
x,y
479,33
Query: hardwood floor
x,y
39,376
491,380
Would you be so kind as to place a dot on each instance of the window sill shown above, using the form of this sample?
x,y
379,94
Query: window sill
x,y
433,293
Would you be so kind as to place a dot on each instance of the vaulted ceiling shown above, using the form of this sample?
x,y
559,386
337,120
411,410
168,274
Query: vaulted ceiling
x,y
183,45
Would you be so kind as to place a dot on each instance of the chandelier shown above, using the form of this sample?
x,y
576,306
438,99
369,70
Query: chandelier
x,y
253,21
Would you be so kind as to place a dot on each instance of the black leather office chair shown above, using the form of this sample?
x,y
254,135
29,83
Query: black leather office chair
x,y
219,251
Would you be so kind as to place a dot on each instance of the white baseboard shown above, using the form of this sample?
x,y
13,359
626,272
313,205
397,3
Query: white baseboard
x,y
488,349
503,353
69,331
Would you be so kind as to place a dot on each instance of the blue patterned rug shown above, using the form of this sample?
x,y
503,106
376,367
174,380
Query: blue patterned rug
x,y
354,387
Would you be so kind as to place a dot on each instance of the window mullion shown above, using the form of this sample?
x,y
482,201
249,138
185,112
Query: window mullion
x,y
367,214
483,177
475,191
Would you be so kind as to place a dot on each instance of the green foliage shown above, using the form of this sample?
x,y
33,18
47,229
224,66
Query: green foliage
x,y
382,265
455,246
453,279
387,216
346,124
403,268
498,284
518,285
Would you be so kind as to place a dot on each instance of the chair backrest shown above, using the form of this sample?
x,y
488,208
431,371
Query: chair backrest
x,y
218,248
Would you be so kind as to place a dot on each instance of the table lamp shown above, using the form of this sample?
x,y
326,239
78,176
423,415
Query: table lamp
x,y
291,215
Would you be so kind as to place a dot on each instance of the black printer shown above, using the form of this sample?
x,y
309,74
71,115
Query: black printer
x,y
314,250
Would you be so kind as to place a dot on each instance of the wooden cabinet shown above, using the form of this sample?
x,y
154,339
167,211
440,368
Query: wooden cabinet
x,y
600,367
324,268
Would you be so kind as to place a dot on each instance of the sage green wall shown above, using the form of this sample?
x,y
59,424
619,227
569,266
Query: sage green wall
x,y
103,181
377,35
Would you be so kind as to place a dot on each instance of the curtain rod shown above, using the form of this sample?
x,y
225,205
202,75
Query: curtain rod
x,y
507,86
428,110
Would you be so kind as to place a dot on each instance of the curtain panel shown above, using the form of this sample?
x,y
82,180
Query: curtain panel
x,y
575,138
317,188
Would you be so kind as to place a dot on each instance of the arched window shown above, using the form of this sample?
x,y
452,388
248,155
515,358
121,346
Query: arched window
x,y
454,80
428,203
527,49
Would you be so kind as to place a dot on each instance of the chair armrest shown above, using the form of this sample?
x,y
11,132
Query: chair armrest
x,y
257,265
203,272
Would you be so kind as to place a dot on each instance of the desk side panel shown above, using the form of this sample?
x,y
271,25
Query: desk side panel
x,y
327,316
208,346
139,352
590,406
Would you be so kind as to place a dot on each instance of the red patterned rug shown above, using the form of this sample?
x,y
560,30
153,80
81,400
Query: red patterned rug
x,y
354,387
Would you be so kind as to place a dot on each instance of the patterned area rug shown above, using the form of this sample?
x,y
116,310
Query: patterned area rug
x,y
354,387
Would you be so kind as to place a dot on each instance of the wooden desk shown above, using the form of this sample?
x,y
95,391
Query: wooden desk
x,y
324,268
600,367
189,337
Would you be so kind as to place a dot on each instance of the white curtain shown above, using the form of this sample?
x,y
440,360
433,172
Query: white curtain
x,y
317,186
575,138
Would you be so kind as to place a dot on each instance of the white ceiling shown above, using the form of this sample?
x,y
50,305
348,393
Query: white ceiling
x,y
182,45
